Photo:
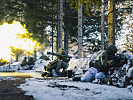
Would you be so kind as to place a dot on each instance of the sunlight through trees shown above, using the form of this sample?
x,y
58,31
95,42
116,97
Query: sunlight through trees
x,y
14,38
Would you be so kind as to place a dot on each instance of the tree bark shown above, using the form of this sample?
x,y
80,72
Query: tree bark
x,y
61,21
58,25
112,23
80,42
66,41
52,39
35,54
66,33
102,25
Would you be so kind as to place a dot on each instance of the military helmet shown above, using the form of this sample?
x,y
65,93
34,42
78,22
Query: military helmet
x,y
60,50
112,49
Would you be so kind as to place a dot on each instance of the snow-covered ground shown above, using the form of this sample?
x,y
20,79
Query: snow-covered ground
x,y
65,89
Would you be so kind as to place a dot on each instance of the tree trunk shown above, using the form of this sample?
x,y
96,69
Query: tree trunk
x,y
58,25
102,25
42,33
52,39
80,31
35,54
42,28
17,58
112,23
61,21
66,41
65,31
52,34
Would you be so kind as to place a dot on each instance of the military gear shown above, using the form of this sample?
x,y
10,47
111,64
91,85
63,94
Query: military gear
x,y
31,61
24,61
122,75
106,60
46,73
60,63
100,66
27,65
44,57
111,50
62,57
89,75
78,78
69,73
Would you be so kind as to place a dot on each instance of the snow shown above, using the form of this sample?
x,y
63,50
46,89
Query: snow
x,y
65,89
127,30
13,67
39,65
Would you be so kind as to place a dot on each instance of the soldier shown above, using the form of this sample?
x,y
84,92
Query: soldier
x,y
24,62
60,62
99,68
31,61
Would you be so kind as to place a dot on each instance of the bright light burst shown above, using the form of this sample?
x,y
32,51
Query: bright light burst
x,y
8,37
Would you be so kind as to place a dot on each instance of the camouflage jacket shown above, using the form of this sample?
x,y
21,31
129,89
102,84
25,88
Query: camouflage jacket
x,y
62,58
104,63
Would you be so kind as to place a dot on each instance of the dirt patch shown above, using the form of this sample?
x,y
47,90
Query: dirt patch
x,y
9,90
62,87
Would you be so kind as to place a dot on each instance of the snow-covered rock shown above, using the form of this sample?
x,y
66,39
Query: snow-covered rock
x,y
38,66
78,65
12,67
15,66
126,54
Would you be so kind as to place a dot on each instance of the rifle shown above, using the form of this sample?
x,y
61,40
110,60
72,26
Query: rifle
x,y
58,55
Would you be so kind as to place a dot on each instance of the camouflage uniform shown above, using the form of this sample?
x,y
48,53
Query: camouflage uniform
x,y
99,68
31,61
58,63
24,61
107,60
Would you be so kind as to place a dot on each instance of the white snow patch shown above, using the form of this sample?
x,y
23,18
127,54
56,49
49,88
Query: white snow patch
x,y
47,90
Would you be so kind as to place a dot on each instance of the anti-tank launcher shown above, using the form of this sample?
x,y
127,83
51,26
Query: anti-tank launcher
x,y
58,55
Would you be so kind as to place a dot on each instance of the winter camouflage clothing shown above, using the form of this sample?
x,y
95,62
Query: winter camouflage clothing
x,y
60,62
31,61
24,61
122,76
99,67
106,60
92,74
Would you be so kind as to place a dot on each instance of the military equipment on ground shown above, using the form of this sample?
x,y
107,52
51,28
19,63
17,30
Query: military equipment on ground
x,y
59,55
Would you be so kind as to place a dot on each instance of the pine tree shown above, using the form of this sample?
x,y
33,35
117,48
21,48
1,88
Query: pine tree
x,y
102,24
112,23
